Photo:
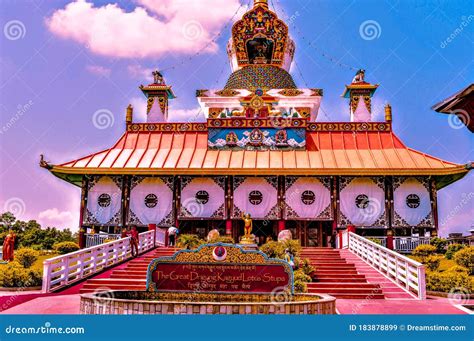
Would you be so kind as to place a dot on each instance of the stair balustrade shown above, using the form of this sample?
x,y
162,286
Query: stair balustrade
x,y
403,271
64,270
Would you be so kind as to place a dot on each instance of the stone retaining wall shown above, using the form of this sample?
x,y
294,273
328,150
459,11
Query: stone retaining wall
x,y
92,304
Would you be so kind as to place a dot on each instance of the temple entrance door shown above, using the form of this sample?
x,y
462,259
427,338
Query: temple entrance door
x,y
263,229
313,235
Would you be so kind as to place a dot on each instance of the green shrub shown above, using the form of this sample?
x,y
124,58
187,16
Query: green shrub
x,y
423,251
432,262
306,267
445,281
375,240
273,249
439,244
457,268
13,275
224,239
293,245
65,247
189,241
465,258
452,249
26,257
300,281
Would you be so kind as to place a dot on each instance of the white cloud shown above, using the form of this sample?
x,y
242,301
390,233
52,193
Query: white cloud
x,y
186,115
99,70
139,108
59,219
154,28
140,72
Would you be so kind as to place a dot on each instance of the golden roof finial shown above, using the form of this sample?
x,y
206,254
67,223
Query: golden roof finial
x,y
264,3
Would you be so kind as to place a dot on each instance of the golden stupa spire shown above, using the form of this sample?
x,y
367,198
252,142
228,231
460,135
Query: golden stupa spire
x,y
264,3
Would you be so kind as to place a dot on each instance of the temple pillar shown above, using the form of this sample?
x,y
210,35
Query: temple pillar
x,y
82,231
152,227
434,203
390,239
281,225
228,227
125,200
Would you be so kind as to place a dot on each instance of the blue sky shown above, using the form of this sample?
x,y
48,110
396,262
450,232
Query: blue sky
x,y
54,75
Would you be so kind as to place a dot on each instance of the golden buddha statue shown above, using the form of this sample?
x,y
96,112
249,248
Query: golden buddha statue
x,y
248,238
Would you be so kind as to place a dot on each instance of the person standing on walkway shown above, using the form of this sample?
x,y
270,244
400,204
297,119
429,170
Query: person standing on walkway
x,y
172,233
134,241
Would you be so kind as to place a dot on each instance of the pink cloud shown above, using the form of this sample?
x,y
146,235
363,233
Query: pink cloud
x,y
99,70
59,219
152,29
140,72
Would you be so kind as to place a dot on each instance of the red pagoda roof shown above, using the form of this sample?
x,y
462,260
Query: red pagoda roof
x,y
327,153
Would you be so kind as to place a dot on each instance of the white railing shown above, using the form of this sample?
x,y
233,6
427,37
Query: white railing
x,y
405,272
408,244
160,236
99,238
64,270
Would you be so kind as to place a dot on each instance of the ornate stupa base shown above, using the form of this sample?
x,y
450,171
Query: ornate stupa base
x,y
248,242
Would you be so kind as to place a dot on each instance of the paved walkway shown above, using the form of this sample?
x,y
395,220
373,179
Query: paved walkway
x,y
65,304
69,304
431,306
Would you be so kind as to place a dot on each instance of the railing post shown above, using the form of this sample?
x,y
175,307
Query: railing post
x,y
46,276
421,283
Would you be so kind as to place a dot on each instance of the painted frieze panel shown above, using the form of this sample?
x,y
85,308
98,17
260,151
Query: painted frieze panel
x,y
257,138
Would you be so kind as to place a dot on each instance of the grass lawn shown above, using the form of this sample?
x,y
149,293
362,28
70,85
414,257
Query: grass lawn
x,y
39,262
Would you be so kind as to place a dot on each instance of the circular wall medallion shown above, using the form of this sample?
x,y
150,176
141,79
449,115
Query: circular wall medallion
x,y
413,201
104,200
256,102
202,197
151,200
219,253
362,201
308,197
255,197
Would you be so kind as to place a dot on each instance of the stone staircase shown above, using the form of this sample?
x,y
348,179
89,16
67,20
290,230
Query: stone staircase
x,y
131,276
337,275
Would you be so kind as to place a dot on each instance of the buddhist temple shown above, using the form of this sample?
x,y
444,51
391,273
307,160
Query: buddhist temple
x,y
262,150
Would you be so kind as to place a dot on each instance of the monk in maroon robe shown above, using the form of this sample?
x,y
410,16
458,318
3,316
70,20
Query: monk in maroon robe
x,y
134,241
9,246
